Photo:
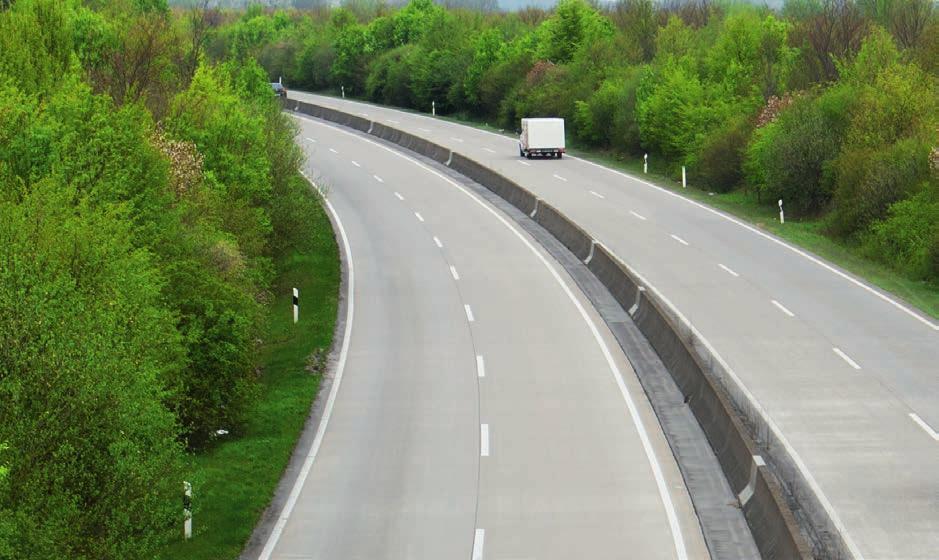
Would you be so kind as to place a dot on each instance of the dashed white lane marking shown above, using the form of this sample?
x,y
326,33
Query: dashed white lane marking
x,y
664,495
679,239
393,121
423,130
490,150
524,163
355,163
456,275
330,401
728,271
926,427
484,440
455,139
480,367
364,114
846,358
308,139
640,216
469,313
783,308
559,178
596,194
397,194
333,151
419,217
437,241
379,179
478,544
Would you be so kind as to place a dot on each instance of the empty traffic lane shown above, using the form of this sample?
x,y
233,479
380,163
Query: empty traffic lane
x,y
484,410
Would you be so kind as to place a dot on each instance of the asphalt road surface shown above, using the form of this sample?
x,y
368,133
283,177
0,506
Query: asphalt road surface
x,y
847,376
483,409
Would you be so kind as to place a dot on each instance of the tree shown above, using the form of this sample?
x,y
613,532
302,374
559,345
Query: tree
x,y
574,23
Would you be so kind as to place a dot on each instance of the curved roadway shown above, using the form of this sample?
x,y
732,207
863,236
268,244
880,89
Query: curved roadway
x,y
481,407
846,374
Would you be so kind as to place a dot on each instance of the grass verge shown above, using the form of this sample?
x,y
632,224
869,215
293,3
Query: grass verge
x,y
233,482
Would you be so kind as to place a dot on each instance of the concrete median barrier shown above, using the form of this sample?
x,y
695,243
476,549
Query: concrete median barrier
x,y
728,416
508,190
568,233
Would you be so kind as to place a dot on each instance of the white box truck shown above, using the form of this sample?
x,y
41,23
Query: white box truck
x,y
541,137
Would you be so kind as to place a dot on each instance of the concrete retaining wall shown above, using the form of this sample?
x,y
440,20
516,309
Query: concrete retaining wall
x,y
717,403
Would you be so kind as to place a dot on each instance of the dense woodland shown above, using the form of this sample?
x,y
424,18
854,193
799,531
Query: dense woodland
x,y
145,195
830,105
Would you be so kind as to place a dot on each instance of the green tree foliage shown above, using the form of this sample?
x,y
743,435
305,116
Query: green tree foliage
x,y
140,220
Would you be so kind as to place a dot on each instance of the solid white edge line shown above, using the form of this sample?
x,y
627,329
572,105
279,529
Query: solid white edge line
x,y
453,271
846,358
733,220
559,178
484,440
783,308
596,194
419,217
330,401
478,542
640,216
926,427
397,194
729,271
437,241
469,313
661,485
480,367
679,239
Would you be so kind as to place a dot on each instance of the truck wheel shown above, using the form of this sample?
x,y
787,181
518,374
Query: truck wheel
x,y
560,155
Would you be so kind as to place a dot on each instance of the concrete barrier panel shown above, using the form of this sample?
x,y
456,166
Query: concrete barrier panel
x,y
508,190
574,238
621,286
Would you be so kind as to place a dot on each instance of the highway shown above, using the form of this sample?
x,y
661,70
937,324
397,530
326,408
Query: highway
x,y
481,408
845,375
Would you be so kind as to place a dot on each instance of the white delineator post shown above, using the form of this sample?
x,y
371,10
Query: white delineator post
x,y
296,304
782,216
433,108
343,91
187,510
684,181
645,163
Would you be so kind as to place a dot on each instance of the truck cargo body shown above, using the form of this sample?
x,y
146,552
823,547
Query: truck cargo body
x,y
541,137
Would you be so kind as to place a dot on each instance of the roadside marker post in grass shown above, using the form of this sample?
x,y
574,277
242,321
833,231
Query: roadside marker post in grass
x,y
684,181
187,510
433,108
343,91
782,216
645,163
296,304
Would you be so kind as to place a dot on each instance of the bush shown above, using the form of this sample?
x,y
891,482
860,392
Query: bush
x,y
85,348
718,164
791,157
908,239
870,180
608,118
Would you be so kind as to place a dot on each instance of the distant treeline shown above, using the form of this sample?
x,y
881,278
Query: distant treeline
x,y
830,105
145,197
